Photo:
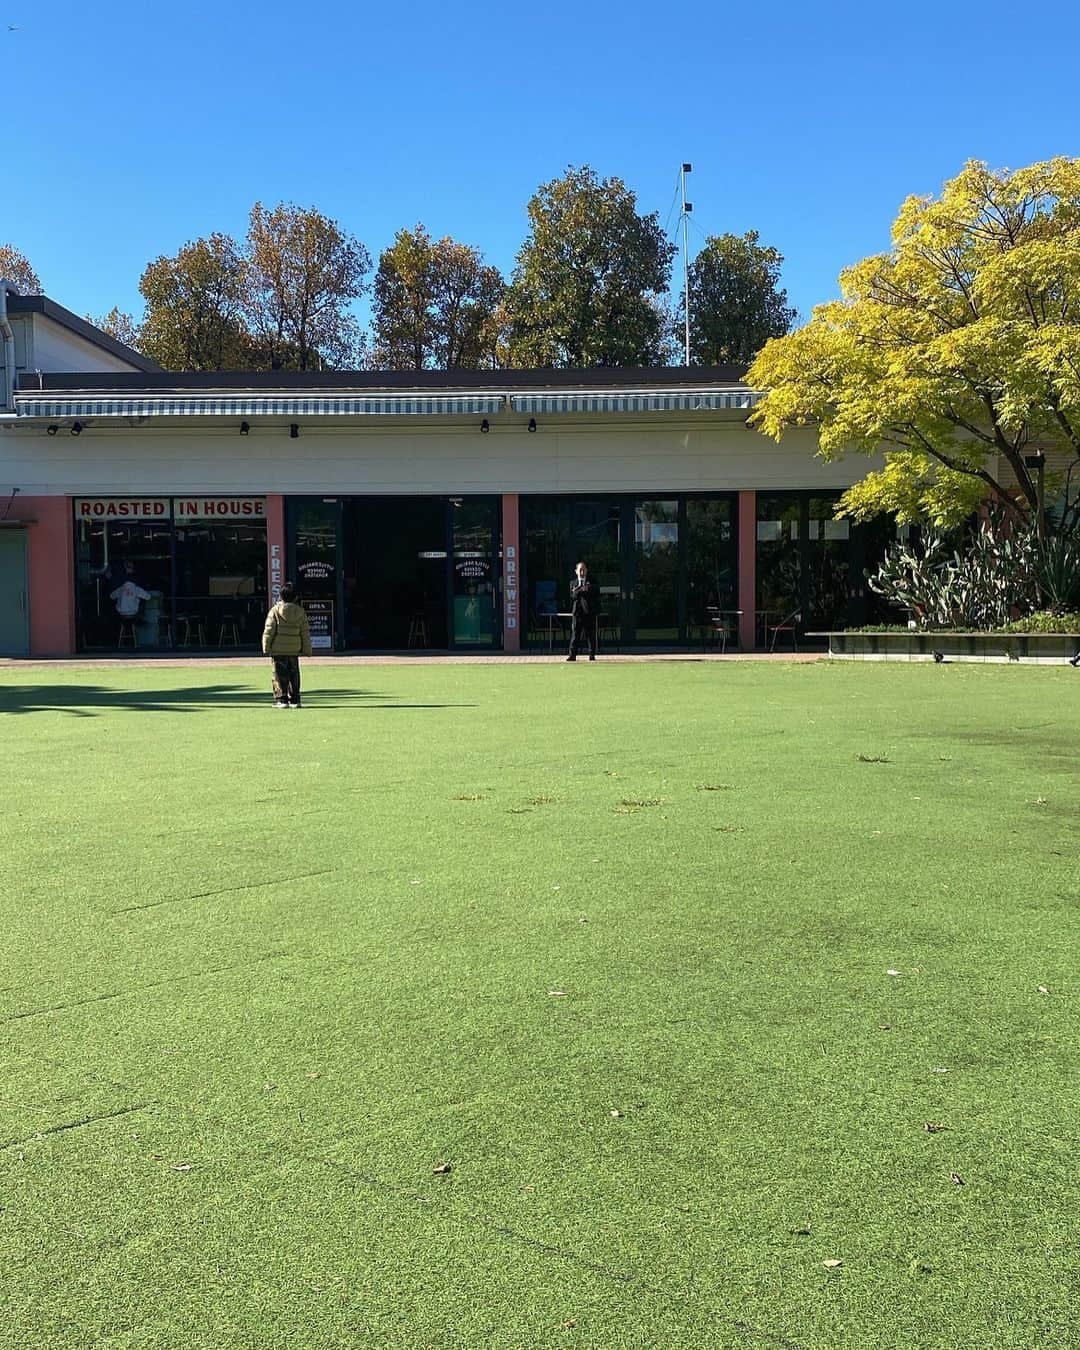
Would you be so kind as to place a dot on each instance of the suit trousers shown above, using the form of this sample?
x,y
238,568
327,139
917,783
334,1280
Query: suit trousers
x,y
582,633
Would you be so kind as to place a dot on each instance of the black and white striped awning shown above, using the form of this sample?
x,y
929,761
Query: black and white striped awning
x,y
646,401
247,405
86,405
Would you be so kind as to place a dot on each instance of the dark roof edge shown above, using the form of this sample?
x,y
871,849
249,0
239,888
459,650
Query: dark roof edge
x,y
41,304
402,381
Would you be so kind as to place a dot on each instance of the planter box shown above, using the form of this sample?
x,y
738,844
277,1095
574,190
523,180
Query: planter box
x,y
1023,648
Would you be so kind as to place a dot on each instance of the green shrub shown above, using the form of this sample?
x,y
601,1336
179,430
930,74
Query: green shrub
x,y
1046,621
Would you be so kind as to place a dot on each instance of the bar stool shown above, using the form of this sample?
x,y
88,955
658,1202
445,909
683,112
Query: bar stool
x,y
229,632
127,630
194,634
418,631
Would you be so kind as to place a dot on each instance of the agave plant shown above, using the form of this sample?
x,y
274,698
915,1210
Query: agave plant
x,y
992,580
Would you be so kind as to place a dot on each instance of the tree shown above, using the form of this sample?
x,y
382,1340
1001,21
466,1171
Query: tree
x,y
195,308
15,267
303,271
957,352
436,304
588,276
120,326
736,304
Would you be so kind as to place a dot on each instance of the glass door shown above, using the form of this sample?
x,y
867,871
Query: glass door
x,y
474,571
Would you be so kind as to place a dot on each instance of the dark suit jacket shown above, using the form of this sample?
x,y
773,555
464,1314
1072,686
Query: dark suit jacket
x,y
584,598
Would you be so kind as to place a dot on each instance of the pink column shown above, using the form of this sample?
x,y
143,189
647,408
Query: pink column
x,y
511,573
747,569
275,545
50,563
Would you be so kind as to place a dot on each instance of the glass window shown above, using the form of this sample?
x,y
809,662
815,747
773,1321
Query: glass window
x,y
557,533
828,567
711,564
778,571
220,582
656,571
123,575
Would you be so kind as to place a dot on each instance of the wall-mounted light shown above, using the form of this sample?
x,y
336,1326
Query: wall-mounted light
x,y
245,427
485,426
532,423
76,428
294,431
52,429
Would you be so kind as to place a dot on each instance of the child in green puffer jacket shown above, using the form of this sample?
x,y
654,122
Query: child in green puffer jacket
x,y
285,640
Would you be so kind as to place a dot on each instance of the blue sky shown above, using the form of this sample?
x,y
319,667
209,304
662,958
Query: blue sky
x,y
134,128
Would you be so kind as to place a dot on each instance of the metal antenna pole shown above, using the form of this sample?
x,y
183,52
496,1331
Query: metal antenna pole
x,y
686,209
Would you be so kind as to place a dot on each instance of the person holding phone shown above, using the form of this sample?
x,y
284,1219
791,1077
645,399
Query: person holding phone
x,y
584,612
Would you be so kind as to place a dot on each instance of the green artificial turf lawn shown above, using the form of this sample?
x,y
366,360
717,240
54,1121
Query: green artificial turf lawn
x,y
672,963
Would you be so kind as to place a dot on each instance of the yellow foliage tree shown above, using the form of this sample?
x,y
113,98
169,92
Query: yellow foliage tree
x,y
957,352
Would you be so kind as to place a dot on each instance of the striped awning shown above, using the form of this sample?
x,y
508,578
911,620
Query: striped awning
x,y
248,405
646,401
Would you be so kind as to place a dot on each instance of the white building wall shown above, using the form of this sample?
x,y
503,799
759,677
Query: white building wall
x,y
56,349
449,458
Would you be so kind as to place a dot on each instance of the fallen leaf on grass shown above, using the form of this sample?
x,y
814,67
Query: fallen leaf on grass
x,y
939,1071
884,1026
470,797
892,972
728,829
932,1127
804,1231
569,1324
183,1167
956,1178
714,787
1041,801
1042,989
873,759
442,1169
642,801
314,1073
832,1263
556,993
616,1114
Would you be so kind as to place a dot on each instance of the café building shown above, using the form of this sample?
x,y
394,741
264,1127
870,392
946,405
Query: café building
x,y
415,510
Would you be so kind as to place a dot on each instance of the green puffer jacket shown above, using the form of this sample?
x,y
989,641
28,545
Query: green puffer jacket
x,y
286,632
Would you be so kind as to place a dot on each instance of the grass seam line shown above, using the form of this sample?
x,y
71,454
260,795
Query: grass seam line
x,y
77,1124
224,890
140,988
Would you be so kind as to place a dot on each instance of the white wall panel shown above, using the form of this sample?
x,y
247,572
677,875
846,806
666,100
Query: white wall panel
x,y
447,458
57,349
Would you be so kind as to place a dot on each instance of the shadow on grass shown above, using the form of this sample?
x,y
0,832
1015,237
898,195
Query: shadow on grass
x,y
90,700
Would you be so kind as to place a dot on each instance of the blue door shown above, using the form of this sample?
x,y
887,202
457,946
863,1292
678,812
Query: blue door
x,y
14,614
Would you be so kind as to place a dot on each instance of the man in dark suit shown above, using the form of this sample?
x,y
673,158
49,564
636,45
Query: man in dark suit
x,y
584,612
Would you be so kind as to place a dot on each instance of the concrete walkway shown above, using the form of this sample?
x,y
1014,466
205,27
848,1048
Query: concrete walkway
x,y
171,661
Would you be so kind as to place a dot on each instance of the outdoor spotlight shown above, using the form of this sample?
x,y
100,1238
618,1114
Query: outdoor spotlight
x,y
687,168
294,431
52,429
245,427
532,423
485,426
76,428
688,207
1035,460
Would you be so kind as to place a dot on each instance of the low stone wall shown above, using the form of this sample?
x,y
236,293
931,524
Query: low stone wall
x,y
1030,648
